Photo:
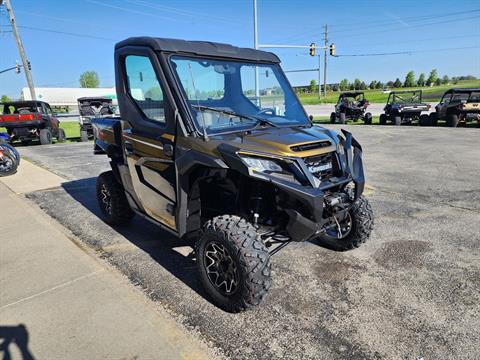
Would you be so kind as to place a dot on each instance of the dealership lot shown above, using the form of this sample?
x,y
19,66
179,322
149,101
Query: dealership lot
x,y
412,291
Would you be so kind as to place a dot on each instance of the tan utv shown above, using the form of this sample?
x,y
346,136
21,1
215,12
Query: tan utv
x,y
214,147
457,106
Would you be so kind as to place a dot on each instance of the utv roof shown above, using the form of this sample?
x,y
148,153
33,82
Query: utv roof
x,y
21,102
203,48
462,90
352,93
94,98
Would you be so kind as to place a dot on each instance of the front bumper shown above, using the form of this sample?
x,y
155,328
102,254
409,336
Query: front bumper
x,y
304,204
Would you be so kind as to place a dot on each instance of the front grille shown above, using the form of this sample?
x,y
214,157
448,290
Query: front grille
x,y
323,166
311,146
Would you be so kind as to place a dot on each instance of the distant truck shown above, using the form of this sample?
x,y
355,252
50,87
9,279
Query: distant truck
x,y
31,120
457,106
89,108
403,107
351,106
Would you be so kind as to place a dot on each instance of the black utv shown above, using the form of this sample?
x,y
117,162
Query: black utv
x,y
351,106
457,106
89,108
404,107
214,147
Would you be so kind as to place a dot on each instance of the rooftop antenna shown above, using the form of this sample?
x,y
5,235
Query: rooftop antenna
x,y
205,136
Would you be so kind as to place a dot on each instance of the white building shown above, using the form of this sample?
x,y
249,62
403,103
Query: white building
x,y
68,96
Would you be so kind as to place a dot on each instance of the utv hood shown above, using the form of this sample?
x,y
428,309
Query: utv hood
x,y
284,141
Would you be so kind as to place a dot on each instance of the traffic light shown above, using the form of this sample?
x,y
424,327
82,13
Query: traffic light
x,y
332,49
17,69
312,49
29,66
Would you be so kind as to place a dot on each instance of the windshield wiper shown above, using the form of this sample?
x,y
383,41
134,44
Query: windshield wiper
x,y
259,121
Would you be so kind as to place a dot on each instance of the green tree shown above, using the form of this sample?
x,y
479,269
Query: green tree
x,y
313,86
438,82
421,80
409,79
432,77
5,98
397,83
356,84
379,85
373,84
363,86
445,80
89,79
343,85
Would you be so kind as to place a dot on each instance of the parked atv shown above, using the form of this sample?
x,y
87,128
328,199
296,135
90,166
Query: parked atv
x,y
9,159
457,106
89,108
351,106
233,165
404,107
31,120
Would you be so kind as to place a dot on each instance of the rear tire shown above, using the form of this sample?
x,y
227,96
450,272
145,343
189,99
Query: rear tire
x,y
452,120
333,118
233,263
342,118
83,135
45,136
424,120
362,220
112,200
61,137
8,161
383,119
397,120
367,118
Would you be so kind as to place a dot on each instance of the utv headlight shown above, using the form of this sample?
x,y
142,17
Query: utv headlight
x,y
280,169
262,165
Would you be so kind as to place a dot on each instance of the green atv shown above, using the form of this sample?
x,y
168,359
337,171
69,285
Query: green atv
x,y
214,147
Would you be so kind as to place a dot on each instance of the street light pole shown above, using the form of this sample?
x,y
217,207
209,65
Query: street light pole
x,y
255,45
21,50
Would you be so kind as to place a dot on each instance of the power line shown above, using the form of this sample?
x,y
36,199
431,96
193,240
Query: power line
x,y
66,33
408,52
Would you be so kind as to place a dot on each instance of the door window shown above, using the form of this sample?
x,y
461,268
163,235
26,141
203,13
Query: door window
x,y
144,87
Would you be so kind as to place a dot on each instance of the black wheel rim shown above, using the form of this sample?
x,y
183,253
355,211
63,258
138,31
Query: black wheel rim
x,y
221,268
106,199
342,229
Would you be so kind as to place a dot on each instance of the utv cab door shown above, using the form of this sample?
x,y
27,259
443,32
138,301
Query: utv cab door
x,y
149,143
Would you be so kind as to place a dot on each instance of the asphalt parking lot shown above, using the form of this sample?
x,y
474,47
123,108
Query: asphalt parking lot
x,y
412,291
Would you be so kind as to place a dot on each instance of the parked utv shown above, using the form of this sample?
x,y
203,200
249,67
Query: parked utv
x,y
351,106
458,106
89,108
403,107
214,147
30,120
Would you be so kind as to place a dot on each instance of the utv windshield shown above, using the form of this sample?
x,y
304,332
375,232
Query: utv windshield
x,y
406,97
225,95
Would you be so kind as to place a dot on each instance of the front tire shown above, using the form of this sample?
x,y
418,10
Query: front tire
x,y
424,120
452,120
368,119
383,119
61,137
433,119
233,263
112,200
397,120
360,228
333,118
342,117
83,135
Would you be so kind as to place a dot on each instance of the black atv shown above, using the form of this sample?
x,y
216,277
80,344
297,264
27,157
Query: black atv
x,y
351,106
404,107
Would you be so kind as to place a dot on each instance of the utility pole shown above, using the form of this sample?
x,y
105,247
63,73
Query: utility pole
x,y
21,50
255,45
319,79
325,38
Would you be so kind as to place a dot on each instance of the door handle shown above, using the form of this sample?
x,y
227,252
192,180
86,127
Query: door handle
x,y
128,148
168,150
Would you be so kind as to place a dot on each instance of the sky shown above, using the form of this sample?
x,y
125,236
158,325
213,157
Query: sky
x,y
65,38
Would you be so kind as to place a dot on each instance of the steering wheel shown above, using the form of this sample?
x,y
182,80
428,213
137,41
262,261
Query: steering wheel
x,y
266,111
